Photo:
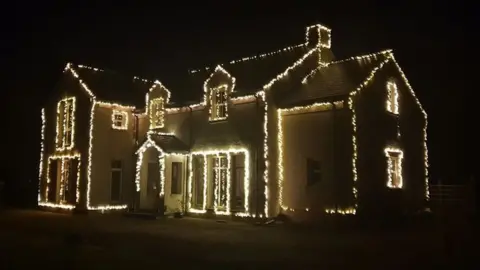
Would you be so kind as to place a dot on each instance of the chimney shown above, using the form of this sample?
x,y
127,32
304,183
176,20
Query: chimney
x,y
319,36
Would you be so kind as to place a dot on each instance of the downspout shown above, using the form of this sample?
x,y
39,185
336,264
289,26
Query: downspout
x,y
135,137
333,155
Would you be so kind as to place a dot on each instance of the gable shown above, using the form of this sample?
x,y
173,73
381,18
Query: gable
x,y
110,86
336,79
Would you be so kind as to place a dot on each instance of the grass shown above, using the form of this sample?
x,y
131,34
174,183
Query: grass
x,y
64,241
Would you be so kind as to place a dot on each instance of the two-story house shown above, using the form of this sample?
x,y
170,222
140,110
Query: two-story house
x,y
290,131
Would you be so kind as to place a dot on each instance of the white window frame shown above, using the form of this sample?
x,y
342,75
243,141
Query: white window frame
x,y
215,105
65,124
394,167
392,98
157,113
221,170
121,124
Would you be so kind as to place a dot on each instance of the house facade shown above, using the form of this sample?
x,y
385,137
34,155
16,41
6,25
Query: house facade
x,y
292,132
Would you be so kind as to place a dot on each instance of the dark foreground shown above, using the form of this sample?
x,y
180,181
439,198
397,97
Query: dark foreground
x,y
41,240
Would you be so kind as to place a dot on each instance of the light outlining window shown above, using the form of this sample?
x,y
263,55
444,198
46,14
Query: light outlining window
x,y
392,97
119,120
65,126
219,103
394,167
63,159
157,113
225,155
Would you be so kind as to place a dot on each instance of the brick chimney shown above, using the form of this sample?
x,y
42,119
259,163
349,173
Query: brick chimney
x,y
319,36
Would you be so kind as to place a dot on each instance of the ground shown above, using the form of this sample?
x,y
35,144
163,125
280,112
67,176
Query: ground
x,y
65,241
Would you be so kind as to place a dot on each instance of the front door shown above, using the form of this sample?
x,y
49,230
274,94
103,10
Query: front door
x,y
153,186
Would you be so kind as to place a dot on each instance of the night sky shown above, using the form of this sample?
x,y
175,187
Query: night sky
x,y
428,43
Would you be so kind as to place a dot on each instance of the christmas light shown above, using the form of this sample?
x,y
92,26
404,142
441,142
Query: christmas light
x,y
119,120
42,150
389,153
63,139
280,113
227,154
255,57
392,97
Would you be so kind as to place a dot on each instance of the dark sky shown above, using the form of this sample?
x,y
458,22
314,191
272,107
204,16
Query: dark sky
x,y
428,41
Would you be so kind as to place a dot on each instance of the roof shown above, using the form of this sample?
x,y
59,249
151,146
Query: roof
x,y
168,143
111,86
336,79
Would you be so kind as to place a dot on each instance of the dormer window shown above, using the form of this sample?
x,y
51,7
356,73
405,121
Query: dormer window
x,y
119,120
219,103
65,123
392,97
157,113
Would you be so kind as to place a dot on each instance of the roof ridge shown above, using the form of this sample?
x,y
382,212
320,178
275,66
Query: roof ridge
x,y
358,57
248,58
114,72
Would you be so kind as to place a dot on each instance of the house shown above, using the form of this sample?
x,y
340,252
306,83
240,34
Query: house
x,y
293,132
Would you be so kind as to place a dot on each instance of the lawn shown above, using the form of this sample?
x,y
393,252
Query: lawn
x,y
63,241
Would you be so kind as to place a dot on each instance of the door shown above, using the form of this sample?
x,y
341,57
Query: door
x,y
153,185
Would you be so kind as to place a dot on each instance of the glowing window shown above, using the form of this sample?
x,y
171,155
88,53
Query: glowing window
x,y
394,168
392,97
65,123
157,113
119,120
219,103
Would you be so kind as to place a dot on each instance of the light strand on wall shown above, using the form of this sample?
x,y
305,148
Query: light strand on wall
x,y
354,125
280,112
426,165
42,150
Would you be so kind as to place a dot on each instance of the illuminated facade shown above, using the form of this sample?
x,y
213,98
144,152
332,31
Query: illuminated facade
x,y
292,131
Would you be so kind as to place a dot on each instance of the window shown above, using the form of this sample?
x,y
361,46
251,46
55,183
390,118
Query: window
x,y
177,176
314,172
392,97
394,168
220,167
119,120
219,102
65,124
157,113
116,181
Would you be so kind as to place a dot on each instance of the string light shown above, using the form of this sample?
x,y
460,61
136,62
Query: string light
x,y
390,167
357,58
42,150
280,113
255,57
119,120
392,97
216,153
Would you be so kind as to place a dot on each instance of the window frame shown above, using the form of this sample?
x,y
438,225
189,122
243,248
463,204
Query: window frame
x,y
392,101
65,129
217,168
216,103
394,168
157,112
123,122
